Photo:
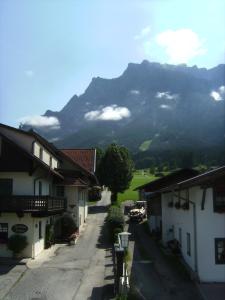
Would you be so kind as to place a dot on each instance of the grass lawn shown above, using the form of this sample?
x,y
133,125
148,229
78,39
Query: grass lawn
x,y
138,179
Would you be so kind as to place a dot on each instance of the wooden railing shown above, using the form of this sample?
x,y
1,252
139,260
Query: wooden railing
x,y
31,203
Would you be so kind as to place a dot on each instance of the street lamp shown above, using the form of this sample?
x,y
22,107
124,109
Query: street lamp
x,y
124,239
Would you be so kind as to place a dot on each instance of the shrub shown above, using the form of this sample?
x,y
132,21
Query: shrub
x,y
17,243
64,227
115,218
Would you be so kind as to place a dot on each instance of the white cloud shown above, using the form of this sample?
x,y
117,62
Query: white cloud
x,y
144,33
181,45
165,106
29,73
108,113
166,95
216,96
219,94
41,121
135,92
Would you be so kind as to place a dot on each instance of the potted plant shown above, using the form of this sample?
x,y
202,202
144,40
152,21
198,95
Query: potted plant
x,y
17,243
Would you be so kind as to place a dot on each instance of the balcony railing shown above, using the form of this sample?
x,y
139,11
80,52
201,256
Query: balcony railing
x,y
32,204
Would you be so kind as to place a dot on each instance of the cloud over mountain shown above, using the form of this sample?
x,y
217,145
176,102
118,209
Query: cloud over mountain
x,y
41,122
108,113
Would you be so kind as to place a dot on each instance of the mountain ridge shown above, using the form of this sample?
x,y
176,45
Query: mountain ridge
x,y
170,105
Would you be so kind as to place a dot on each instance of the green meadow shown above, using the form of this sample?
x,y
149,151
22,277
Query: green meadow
x,y
140,177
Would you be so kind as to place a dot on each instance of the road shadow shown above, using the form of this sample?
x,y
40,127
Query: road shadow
x,y
97,209
7,264
153,275
102,293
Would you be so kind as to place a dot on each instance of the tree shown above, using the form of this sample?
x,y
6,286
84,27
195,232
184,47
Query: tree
x,y
116,169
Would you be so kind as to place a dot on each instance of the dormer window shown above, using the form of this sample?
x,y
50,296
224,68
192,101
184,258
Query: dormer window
x,y
41,153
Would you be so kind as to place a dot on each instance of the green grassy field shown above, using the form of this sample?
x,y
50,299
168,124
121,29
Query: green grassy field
x,y
139,179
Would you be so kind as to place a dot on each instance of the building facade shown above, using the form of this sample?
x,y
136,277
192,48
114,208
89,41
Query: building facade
x,y
35,188
193,213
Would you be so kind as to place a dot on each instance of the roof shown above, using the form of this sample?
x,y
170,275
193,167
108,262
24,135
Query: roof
x,y
49,146
85,158
168,180
201,179
31,156
74,182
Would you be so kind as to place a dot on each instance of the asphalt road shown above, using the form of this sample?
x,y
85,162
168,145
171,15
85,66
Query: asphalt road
x,y
76,272
152,276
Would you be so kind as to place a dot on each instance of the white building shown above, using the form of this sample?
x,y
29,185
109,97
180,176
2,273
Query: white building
x,y
150,193
77,167
193,213
31,174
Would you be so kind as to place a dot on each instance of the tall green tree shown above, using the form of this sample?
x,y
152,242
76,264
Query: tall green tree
x,y
116,169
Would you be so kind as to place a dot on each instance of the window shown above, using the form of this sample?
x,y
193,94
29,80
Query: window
x,y
188,244
219,197
41,153
40,230
40,188
60,191
3,233
180,237
220,250
6,187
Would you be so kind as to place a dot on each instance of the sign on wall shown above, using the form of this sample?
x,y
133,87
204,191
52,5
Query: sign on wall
x,y
19,228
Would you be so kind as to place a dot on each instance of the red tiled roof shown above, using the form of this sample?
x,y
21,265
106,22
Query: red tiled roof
x,y
83,157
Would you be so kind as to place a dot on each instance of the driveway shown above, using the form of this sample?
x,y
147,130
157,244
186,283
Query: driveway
x,y
80,272
153,276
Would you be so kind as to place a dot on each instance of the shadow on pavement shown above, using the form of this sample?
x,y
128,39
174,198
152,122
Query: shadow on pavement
x,y
95,209
154,276
7,264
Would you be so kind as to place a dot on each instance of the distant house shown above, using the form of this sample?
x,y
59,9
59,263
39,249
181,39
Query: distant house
x,y
150,193
193,213
77,167
37,184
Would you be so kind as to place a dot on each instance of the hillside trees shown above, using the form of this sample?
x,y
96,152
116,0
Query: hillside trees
x,y
116,169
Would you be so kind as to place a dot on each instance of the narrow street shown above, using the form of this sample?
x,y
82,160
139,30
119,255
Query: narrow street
x,y
79,272
152,275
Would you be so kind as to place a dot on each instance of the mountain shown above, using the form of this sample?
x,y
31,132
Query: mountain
x,y
151,107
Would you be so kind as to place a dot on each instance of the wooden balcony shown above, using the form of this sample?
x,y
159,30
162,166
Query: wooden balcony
x,y
37,205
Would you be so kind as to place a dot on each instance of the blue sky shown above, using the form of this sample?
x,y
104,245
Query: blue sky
x,y
51,49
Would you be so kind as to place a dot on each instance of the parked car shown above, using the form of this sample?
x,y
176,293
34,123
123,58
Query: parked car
x,y
138,212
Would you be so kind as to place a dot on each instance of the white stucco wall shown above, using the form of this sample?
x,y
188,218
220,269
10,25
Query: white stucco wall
x,y
23,184
173,218
210,225
71,193
35,245
45,155
38,243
